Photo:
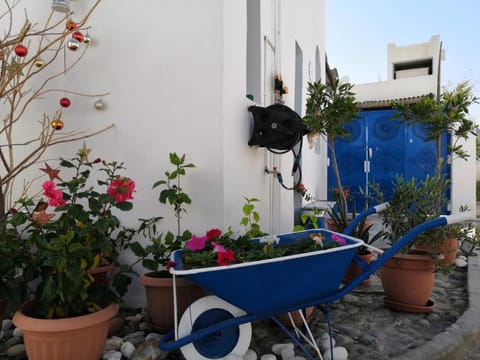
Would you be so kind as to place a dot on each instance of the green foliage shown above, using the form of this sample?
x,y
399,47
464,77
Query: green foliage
x,y
251,218
81,233
329,108
306,219
156,254
413,203
446,115
173,192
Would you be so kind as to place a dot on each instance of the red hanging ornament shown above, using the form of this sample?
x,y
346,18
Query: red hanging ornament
x,y
65,102
71,25
21,50
57,124
78,35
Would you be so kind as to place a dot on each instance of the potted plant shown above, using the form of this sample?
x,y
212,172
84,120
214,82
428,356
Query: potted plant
x,y
69,231
158,282
445,114
329,108
408,277
363,230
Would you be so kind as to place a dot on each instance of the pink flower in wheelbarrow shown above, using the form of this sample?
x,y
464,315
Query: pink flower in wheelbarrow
x,y
121,189
341,241
196,243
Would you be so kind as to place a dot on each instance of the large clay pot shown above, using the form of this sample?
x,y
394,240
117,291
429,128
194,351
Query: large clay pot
x,y
297,319
449,250
101,274
159,294
408,279
354,270
75,338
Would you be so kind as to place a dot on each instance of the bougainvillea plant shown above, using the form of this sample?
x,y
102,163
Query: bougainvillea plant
x,y
71,229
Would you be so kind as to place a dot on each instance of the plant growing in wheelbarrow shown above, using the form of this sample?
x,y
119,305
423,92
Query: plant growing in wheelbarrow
x,y
253,278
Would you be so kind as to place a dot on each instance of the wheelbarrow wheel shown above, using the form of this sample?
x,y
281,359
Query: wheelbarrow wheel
x,y
210,310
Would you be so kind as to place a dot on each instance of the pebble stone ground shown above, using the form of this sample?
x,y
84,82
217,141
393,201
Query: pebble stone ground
x,y
363,325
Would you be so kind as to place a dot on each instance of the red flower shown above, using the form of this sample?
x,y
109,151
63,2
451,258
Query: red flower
x,y
170,264
121,189
212,234
225,258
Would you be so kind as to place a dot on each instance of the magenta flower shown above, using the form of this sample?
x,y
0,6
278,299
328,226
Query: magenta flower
x,y
339,240
196,243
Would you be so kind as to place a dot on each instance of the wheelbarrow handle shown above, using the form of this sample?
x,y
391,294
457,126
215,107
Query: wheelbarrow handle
x,y
373,210
459,217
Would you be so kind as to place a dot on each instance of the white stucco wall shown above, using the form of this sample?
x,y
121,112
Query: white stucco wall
x,y
176,74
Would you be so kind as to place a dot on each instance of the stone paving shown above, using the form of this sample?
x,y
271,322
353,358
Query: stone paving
x,y
361,324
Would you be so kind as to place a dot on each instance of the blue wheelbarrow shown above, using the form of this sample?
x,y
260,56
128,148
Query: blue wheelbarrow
x,y
218,326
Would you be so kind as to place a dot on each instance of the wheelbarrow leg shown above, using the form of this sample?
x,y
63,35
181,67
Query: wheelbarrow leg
x,y
326,313
299,334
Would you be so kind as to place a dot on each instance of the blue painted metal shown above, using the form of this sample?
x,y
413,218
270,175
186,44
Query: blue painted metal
x,y
245,282
246,285
379,150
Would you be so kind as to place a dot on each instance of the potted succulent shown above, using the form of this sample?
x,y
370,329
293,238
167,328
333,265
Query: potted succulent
x,y
329,108
69,231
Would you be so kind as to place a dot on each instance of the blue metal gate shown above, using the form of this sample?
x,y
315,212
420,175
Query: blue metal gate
x,y
378,151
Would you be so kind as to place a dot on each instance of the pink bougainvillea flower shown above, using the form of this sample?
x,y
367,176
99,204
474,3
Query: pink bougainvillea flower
x,y
196,243
225,258
212,234
54,195
339,240
217,248
121,189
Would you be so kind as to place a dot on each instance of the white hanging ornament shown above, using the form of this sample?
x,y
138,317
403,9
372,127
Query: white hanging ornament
x,y
73,44
61,6
99,105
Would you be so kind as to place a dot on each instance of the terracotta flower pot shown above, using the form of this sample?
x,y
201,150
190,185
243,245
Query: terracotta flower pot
x,y
76,338
159,294
408,278
449,250
101,274
354,270
297,320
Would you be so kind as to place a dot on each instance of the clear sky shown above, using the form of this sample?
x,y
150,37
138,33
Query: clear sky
x,y
358,32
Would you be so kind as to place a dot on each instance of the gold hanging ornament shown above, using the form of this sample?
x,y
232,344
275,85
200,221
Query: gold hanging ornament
x,y
57,124
99,105
39,62
87,39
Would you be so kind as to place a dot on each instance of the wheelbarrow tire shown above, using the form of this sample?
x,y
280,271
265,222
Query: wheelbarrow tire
x,y
206,311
